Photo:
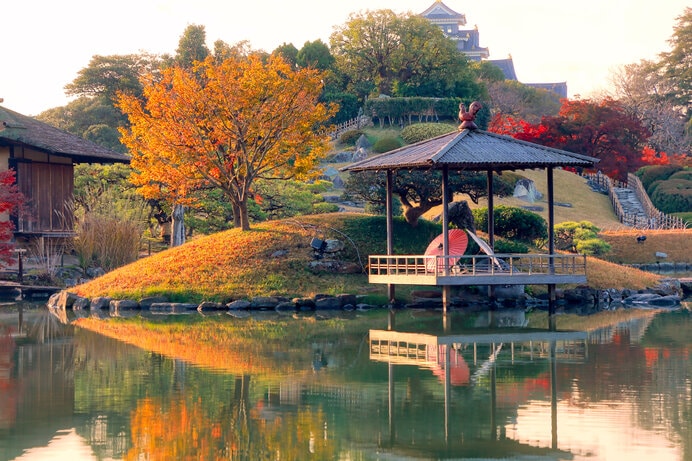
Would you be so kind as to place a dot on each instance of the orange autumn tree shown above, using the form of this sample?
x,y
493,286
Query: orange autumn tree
x,y
225,125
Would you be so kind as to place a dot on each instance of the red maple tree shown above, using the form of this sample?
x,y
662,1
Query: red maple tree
x,y
601,129
10,201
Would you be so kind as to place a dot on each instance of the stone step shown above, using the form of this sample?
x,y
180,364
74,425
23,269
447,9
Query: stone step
x,y
629,201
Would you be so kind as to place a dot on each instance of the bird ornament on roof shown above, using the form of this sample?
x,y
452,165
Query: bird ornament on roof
x,y
467,118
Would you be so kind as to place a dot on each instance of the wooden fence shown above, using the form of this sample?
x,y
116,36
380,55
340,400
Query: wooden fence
x,y
353,124
655,219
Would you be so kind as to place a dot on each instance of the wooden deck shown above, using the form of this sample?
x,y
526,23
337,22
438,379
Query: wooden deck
x,y
423,349
497,269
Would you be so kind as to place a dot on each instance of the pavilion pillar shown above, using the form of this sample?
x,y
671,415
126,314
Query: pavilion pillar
x,y
551,237
491,230
446,289
390,232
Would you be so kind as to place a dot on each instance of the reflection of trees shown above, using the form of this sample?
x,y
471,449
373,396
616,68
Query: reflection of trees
x,y
175,410
657,366
667,353
187,427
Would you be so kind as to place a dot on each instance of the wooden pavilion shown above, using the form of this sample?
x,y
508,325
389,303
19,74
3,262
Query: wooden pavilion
x,y
44,157
471,149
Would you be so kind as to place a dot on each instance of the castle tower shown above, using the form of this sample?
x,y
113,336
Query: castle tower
x,y
451,23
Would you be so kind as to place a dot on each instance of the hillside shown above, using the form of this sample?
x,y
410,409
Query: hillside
x,y
273,259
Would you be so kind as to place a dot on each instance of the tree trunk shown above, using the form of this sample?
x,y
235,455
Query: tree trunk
x,y
236,215
244,218
178,226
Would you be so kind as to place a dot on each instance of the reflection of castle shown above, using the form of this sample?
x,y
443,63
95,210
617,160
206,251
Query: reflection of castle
x,y
468,42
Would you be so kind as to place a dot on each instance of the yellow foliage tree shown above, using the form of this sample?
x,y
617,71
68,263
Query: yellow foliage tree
x,y
225,124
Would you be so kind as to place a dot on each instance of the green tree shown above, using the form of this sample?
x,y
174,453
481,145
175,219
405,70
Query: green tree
x,y
94,118
192,46
288,51
316,55
676,64
109,75
420,191
509,97
380,52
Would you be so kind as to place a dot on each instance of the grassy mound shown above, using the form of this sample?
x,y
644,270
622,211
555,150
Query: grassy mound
x,y
270,259
273,259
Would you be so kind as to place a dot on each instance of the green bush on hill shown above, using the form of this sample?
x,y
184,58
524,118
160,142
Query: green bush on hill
x,y
386,144
513,223
580,237
510,246
673,195
592,247
685,175
422,131
650,173
370,235
349,138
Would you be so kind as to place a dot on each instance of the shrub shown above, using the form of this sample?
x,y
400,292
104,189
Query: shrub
x,y
569,233
422,131
510,246
386,144
592,247
325,207
513,223
350,137
651,173
673,195
685,175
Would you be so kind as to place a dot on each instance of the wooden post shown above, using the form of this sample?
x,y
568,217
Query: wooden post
x,y
20,264
446,289
551,239
390,232
491,231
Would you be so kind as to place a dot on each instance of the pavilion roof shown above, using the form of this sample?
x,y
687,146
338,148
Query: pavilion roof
x,y
473,150
19,129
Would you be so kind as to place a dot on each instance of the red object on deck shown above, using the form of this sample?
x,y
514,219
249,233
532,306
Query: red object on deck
x,y
458,241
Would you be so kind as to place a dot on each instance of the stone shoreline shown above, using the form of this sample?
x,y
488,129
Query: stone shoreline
x,y
667,294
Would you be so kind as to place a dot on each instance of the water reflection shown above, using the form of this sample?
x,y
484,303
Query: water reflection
x,y
443,355
486,386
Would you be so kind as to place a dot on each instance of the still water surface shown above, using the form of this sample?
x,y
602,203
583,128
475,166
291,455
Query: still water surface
x,y
619,392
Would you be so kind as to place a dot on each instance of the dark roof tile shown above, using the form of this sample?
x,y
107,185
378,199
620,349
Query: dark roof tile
x,y
19,129
473,150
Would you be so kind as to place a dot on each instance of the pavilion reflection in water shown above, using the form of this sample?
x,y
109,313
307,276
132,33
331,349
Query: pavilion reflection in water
x,y
442,354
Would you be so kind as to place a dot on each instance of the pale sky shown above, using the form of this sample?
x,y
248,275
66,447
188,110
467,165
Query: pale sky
x,y
47,42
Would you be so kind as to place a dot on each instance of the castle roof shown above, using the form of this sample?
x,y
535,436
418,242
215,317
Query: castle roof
x,y
439,13
506,66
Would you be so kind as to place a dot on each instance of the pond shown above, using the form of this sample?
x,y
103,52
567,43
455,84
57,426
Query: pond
x,y
474,386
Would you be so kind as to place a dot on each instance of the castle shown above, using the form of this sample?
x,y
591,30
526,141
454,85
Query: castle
x,y
468,42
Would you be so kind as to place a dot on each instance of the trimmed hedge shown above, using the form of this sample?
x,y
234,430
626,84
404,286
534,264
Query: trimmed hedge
x,y
422,131
386,144
673,195
650,173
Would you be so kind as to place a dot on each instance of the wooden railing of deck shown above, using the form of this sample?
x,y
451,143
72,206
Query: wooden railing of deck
x,y
478,265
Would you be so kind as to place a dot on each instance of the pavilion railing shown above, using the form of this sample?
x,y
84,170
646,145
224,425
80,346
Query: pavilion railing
x,y
478,265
